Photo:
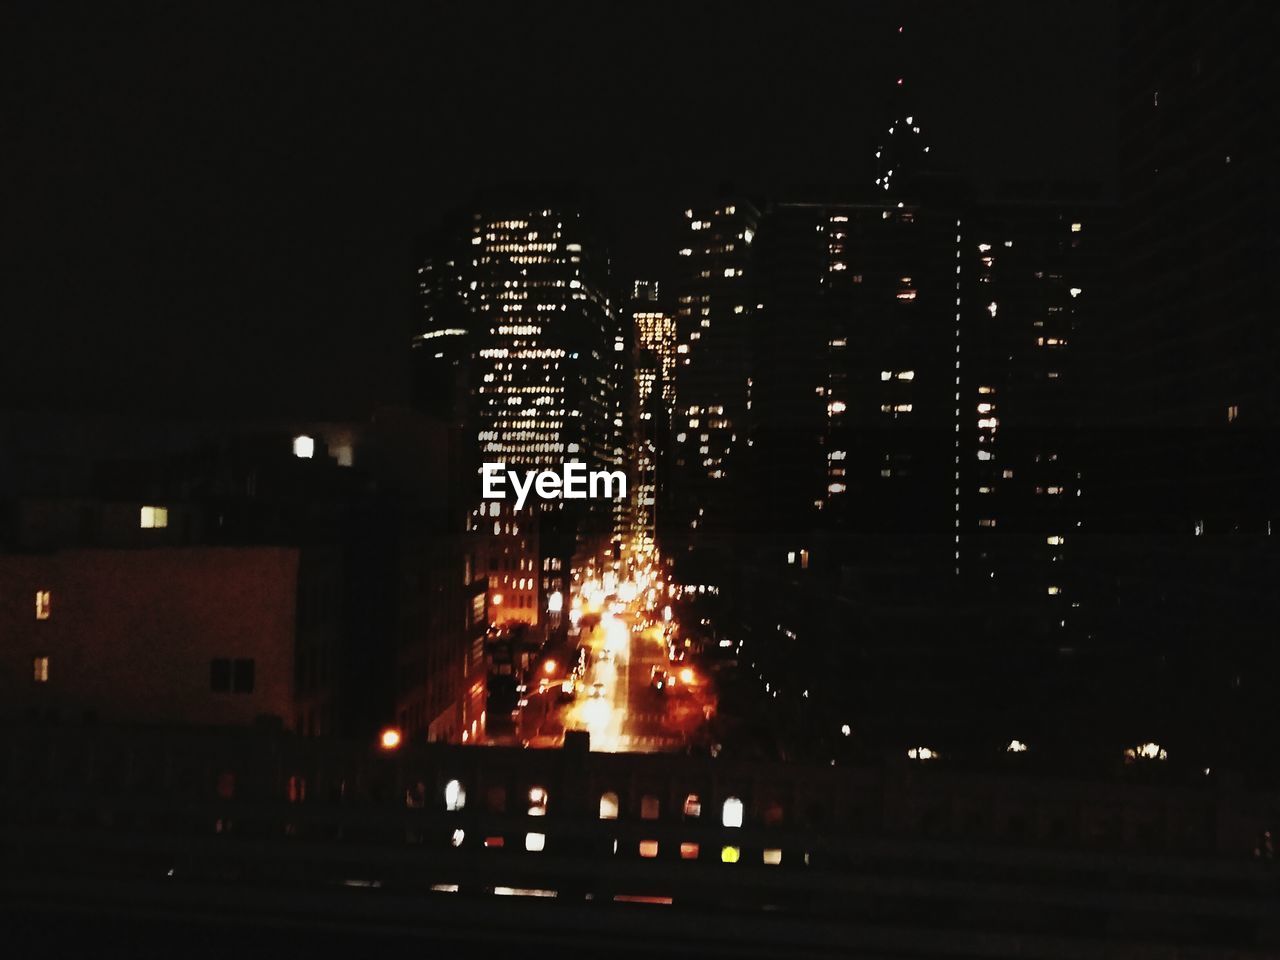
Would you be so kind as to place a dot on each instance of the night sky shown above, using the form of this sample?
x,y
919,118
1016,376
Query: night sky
x,y
213,208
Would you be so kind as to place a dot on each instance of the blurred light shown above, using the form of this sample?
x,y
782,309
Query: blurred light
x,y
686,675
535,842
389,739
455,797
457,838
550,667
731,814
304,447
555,602
729,854
1016,746
844,728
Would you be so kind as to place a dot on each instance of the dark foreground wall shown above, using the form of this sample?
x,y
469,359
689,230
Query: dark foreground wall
x,y
176,843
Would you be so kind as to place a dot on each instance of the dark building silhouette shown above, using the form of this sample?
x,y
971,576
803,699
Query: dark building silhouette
x,y
713,306
326,561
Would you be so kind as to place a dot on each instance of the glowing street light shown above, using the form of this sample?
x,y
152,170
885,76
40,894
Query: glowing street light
x,y
549,667
389,739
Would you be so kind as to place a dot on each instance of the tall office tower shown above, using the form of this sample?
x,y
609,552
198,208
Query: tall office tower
x,y
441,343
655,328
853,444
519,297
655,346
713,309
851,389
1035,299
622,433
1192,397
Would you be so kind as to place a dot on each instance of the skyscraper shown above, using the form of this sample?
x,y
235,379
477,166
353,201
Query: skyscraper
x,y
655,336
519,297
713,308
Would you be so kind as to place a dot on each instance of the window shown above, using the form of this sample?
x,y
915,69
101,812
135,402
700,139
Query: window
x,y
648,807
772,857
44,601
609,806
535,842
692,806
304,447
688,851
648,849
153,518
40,669
537,802
231,676
729,854
731,815
455,797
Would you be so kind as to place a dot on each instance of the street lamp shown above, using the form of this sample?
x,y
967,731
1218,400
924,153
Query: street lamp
x,y
389,739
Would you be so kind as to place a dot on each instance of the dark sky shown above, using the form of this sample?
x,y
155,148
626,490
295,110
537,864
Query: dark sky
x,y
213,207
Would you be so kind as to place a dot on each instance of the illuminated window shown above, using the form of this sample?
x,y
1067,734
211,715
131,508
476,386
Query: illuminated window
x,y
731,813
729,854
648,807
455,797
535,842
1233,412
40,669
772,857
1076,227
537,802
304,447
44,603
648,849
609,806
688,851
692,806
153,518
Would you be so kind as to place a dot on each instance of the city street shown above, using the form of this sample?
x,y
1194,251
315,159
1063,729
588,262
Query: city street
x,y
625,713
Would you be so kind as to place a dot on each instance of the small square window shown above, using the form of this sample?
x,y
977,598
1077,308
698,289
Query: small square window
x,y
153,518
40,669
